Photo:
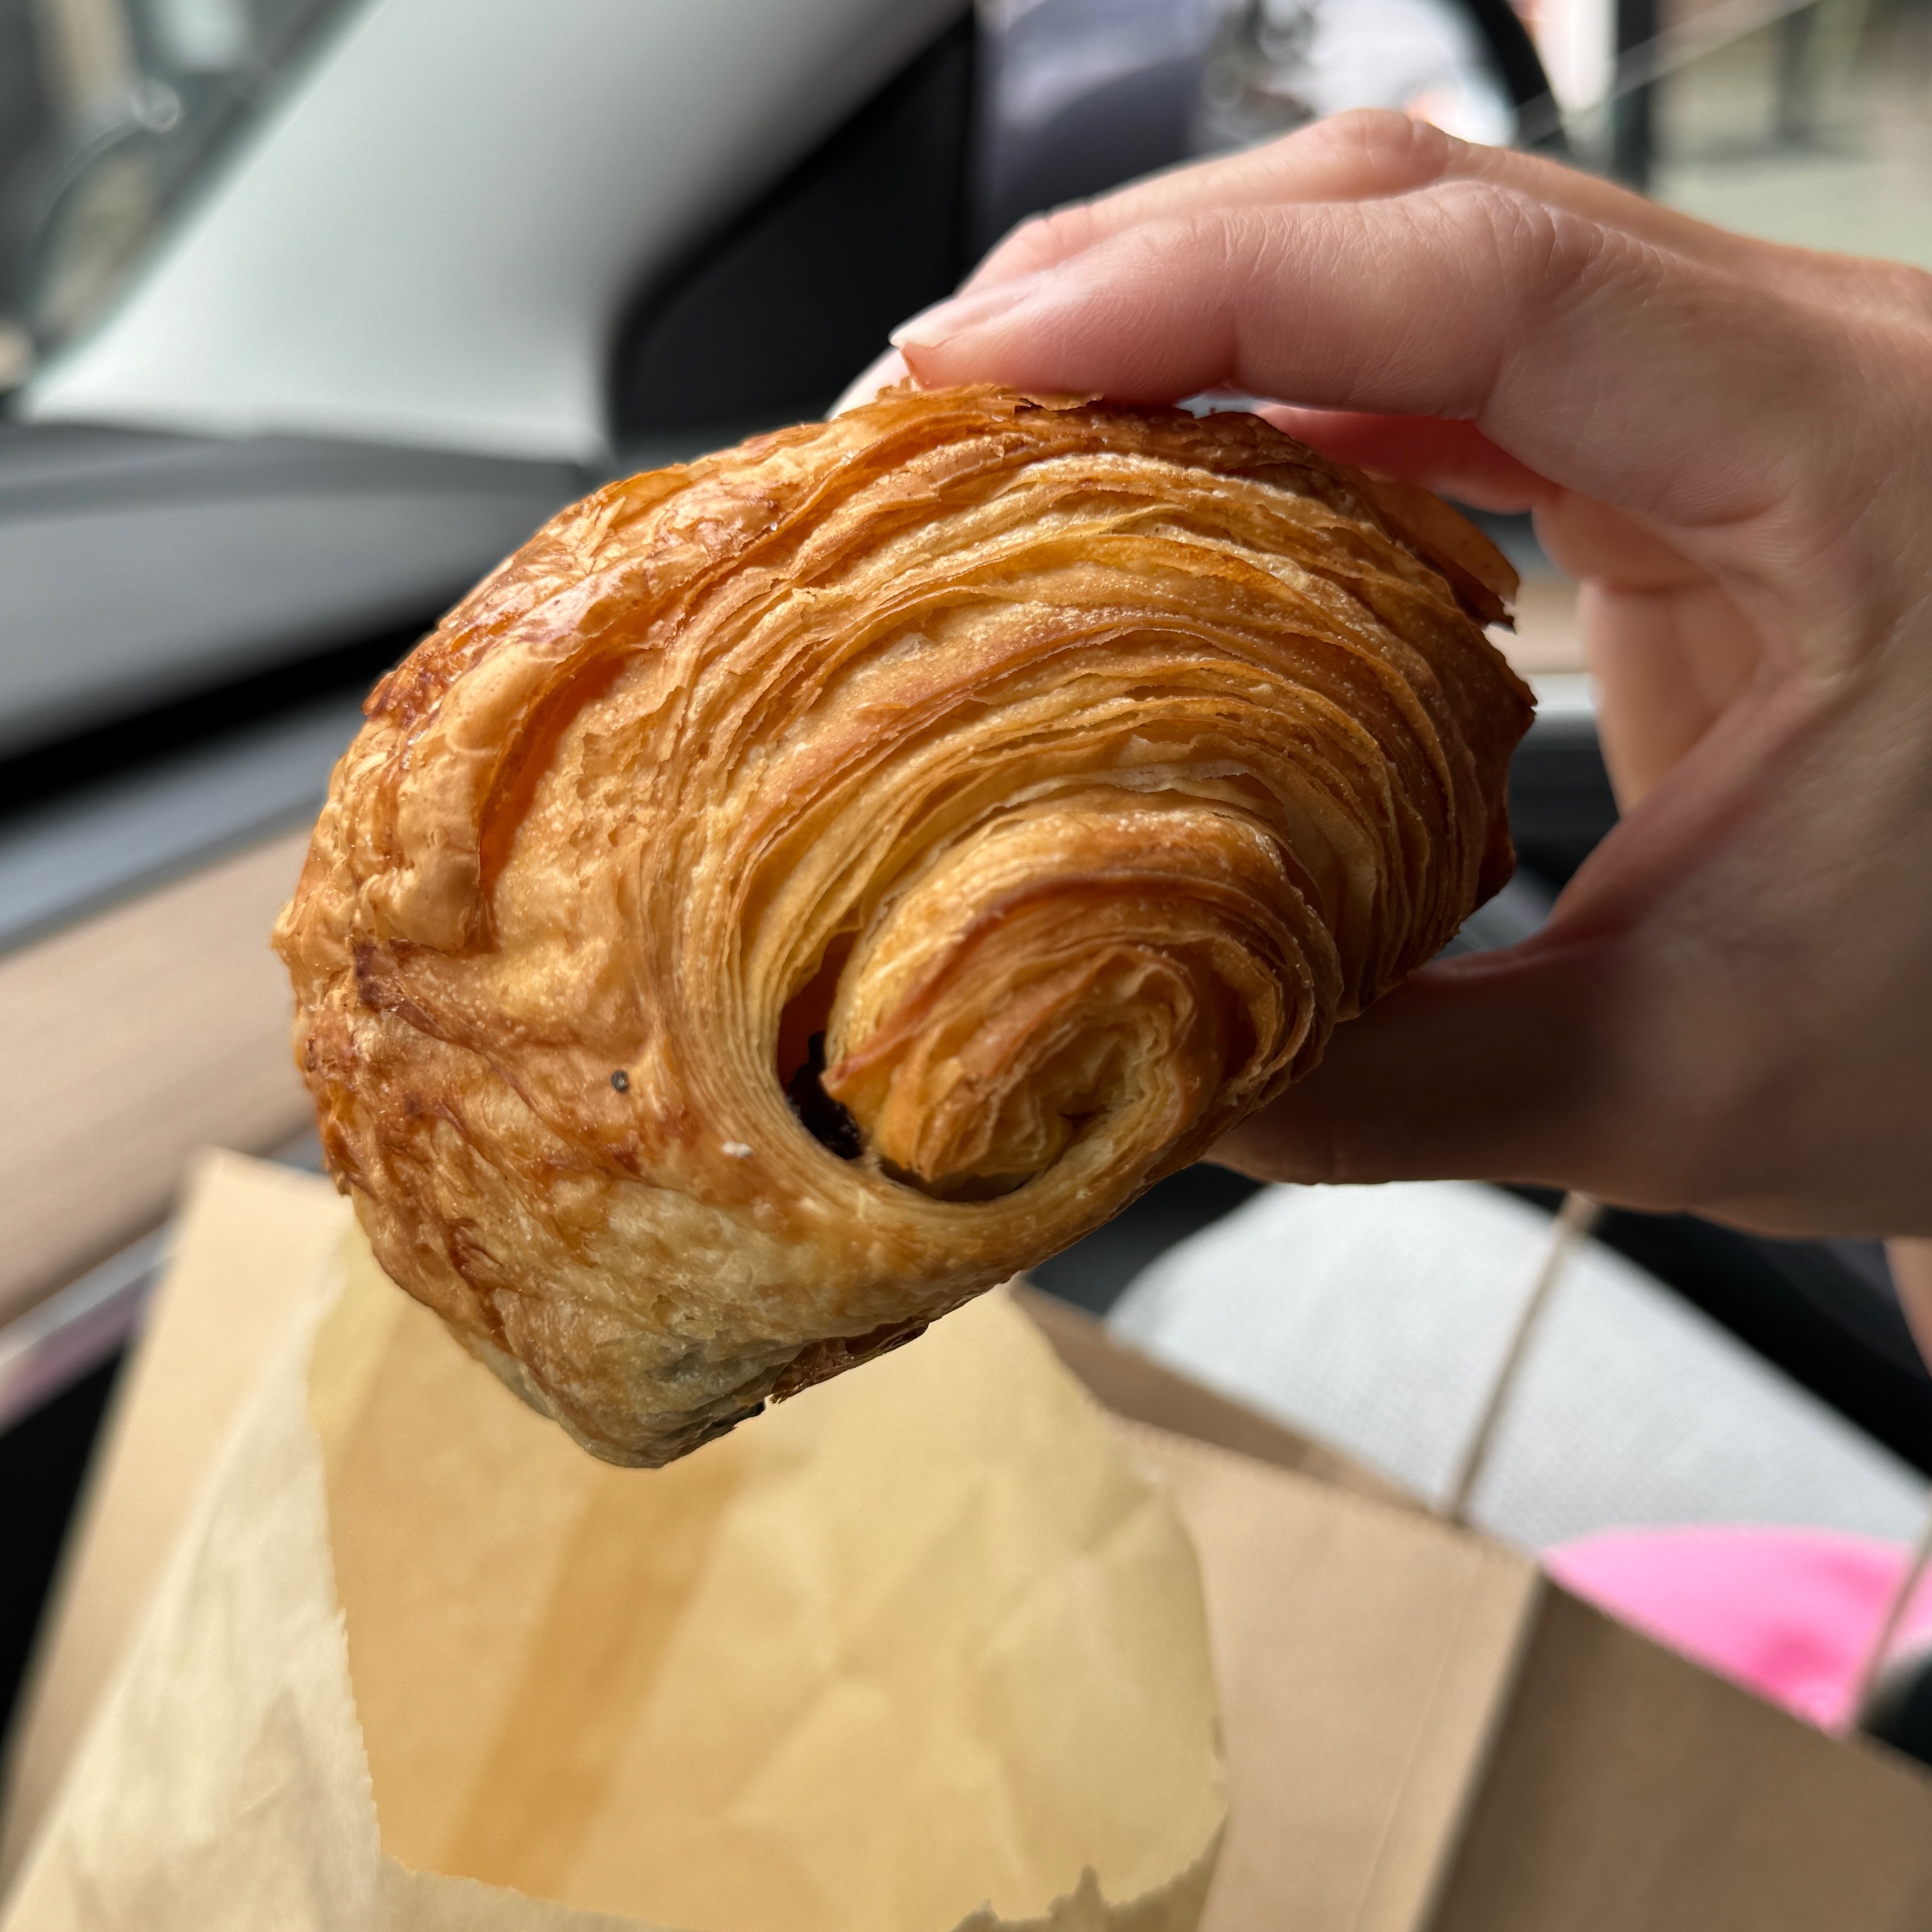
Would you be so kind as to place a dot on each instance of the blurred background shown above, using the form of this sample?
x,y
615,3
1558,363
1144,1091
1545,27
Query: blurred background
x,y
309,310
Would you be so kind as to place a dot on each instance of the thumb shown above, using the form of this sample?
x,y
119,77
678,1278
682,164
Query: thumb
x,y
1537,1064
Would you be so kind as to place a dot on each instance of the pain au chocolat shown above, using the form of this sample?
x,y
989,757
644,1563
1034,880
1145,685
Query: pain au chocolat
x,y
800,888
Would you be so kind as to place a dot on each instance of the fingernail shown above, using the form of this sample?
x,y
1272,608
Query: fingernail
x,y
954,316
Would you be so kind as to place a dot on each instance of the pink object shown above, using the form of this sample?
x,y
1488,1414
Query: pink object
x,y
1788,1614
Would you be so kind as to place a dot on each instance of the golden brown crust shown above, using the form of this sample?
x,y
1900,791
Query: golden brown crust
x,y
1072,770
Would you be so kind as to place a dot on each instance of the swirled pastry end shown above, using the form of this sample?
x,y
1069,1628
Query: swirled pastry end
x,y
798,889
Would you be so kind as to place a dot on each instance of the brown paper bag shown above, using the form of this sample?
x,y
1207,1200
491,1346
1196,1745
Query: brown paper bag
x,y
1425,1734
923,1648
1422,1734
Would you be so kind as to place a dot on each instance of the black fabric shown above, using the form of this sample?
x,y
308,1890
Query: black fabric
x,y
1513,57
1561,803
1094,1272
766,322
43,1460
1901,1713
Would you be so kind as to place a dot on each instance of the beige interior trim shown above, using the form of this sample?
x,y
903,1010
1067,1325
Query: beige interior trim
x,y
130,1040
1548,633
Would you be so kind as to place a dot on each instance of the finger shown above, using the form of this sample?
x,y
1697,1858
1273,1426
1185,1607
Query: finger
x,y
1668,665
1369,153
1365,154
1588,539
1583,355
1347,158
1454,459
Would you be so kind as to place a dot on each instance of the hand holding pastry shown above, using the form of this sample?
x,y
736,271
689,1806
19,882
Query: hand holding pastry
x,y
1730,442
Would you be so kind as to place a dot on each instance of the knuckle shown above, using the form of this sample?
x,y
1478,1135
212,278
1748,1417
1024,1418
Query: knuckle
x,y
1041,239
1366,152
1210,245
1064,231
1908,288
1389,147
1539,257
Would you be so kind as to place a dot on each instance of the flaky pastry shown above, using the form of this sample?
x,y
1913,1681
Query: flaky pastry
x,y
800,888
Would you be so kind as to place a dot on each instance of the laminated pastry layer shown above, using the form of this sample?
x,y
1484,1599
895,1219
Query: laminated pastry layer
x,y
799,889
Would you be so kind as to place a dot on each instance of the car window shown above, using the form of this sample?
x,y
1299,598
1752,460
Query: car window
x,y
1079,95
110,111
